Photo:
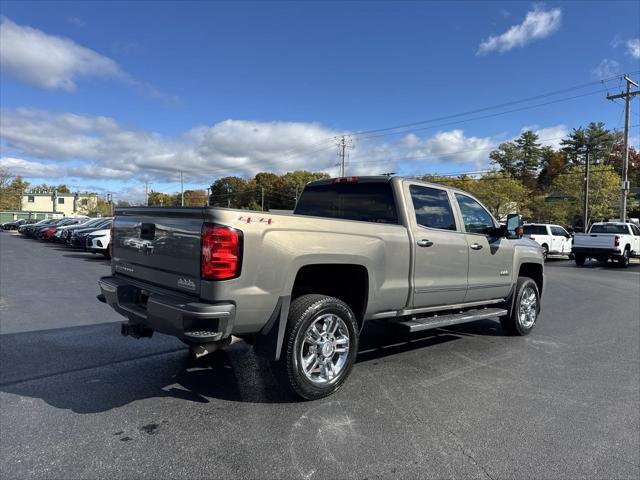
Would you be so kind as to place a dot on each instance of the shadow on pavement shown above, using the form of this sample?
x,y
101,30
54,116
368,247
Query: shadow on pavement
x,y
93,369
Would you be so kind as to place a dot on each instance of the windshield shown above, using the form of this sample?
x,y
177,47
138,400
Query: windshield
x,y
610,228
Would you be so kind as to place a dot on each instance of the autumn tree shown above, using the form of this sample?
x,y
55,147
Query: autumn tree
x,y
195,198
11,190
159,199
604,194
229,192
552,164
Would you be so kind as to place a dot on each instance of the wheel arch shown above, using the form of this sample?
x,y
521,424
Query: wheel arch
x,y
347,281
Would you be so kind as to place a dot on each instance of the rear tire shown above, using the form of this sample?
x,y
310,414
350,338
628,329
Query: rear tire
x,y
526,307
579,259
320,346
623,260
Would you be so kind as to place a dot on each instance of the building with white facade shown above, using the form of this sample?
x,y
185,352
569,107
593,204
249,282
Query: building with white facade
x,y
67,204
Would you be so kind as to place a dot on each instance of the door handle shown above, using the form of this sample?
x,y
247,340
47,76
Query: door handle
x,y
475,246
424,243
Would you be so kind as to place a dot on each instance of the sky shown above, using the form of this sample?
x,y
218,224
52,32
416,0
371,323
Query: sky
x,y
104,96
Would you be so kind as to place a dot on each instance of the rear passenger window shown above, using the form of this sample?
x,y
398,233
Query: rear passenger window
x,y
535,230
432,207
362,201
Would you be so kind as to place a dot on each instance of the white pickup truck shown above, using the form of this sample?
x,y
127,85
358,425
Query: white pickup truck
x,y
608,240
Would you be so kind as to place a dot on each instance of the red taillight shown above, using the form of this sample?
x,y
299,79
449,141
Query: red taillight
x,y
345,180
616,242
220,254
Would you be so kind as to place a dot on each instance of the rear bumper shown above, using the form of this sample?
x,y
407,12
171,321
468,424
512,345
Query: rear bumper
x,y
595,252
167,312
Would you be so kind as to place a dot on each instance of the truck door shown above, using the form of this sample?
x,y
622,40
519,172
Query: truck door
x,y
490,258
440,250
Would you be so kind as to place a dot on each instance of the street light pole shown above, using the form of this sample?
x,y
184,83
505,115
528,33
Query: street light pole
x,y
585,208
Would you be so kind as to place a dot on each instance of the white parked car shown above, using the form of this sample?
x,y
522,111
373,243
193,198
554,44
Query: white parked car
x,y
553,239
98,242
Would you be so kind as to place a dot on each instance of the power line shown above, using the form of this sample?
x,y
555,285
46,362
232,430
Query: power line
x,y
492,107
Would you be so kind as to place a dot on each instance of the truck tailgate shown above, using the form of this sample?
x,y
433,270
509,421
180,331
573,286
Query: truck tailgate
x,y
594,240
159,246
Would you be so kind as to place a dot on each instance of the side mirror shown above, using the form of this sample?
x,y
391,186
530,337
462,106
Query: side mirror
x,y
514,226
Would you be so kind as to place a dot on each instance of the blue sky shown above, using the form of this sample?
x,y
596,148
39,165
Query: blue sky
x,y
105,95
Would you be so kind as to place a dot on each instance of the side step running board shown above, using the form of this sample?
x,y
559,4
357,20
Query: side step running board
x,y
436,321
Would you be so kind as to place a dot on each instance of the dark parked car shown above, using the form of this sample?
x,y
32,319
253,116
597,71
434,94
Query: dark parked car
x,y
12,225
31,229
79,237
67,232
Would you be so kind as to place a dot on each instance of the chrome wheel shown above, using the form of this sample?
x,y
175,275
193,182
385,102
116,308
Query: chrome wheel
x,y
324,349
528,308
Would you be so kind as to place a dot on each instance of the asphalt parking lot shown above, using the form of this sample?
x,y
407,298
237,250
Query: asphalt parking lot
x,y
78,400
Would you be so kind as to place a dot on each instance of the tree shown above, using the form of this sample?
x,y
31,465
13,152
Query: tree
x,y
102,208
501,193
529,155
123,203
195,198
11,190
62,188
604,194
229,192
159,199
552,164
506,157
595,140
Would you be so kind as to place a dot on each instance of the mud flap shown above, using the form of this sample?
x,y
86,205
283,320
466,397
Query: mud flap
x,y
268,343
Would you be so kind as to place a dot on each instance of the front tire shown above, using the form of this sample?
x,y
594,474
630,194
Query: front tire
x,y
579,259
526,308
320,346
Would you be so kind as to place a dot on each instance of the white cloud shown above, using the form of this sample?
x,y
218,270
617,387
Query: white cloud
x,y
38,143
79,149
537,24
549,136
452,146
55,63
77,22
633,47
47,61
231,146
606,68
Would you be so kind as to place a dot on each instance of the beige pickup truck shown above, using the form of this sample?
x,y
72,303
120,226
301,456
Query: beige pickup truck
x,y
300,287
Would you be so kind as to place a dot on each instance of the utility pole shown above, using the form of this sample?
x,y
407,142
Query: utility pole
x,y
344,144
295,204
208,196
262,203
146,193
181,189
624,189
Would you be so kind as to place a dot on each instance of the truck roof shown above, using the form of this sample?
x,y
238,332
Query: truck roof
x,y
381,179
